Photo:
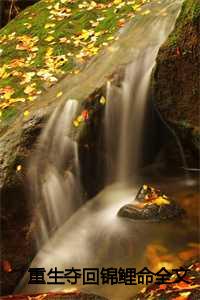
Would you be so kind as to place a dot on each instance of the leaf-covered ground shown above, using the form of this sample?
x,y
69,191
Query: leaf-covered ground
x,y
54,38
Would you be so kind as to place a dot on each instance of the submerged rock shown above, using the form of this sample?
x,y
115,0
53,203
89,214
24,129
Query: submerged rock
x,y
151,204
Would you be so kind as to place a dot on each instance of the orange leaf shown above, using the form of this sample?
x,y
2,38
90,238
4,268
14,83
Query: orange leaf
x,y
6,266
85,115
182,285
162,287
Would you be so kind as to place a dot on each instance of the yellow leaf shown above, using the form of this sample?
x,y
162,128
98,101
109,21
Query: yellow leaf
x,y
15,100
26,113
117,2
27,77
49,38
32,98
18,168
76,123
33,49
49,52
136,6
3,71
146,12
29,89
28,25
185,294
64,40
80,118
49,25
161,201
102,100
8,95
59,94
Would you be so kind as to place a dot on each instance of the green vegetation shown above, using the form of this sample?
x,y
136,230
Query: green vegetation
x,y
190,14
54,38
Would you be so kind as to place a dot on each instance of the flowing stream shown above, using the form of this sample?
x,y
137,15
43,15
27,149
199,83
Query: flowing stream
x,y
126,107
94,236
54,173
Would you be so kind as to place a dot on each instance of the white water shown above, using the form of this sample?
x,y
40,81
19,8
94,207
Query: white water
x,y
125,111
94,236
54,173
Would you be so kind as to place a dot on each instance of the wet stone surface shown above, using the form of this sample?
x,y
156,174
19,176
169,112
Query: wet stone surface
x,y
151,204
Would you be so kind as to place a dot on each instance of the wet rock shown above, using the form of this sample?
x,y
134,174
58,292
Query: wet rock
x,y
176,86
19,138
151,212
152,205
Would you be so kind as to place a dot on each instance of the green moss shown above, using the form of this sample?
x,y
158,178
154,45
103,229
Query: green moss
x,y
33,23
190,13
9,114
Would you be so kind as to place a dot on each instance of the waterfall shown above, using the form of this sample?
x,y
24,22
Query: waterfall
x,y
54,172
126,105
84,239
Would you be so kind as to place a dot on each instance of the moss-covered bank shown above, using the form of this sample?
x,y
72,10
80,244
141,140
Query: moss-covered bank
x,y
51,39
176,81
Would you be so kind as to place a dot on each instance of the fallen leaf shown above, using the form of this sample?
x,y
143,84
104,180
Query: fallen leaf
x,y
49,25
30,88
6,266
80,119
146,12
27,77
49,38
76,123
6,92
26,113
18,168
85,115
59,94
161,201
102,100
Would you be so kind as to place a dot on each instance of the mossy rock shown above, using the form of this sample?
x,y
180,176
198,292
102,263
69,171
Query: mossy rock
x,y
24,113
176,82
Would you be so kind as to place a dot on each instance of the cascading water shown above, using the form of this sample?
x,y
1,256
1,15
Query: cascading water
x,y
94,236
126,105
54,172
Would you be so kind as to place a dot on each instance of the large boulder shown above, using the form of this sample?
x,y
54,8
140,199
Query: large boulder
x,y
60,42
176,84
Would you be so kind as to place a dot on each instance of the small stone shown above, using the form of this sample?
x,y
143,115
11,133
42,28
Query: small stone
x,y
152,205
